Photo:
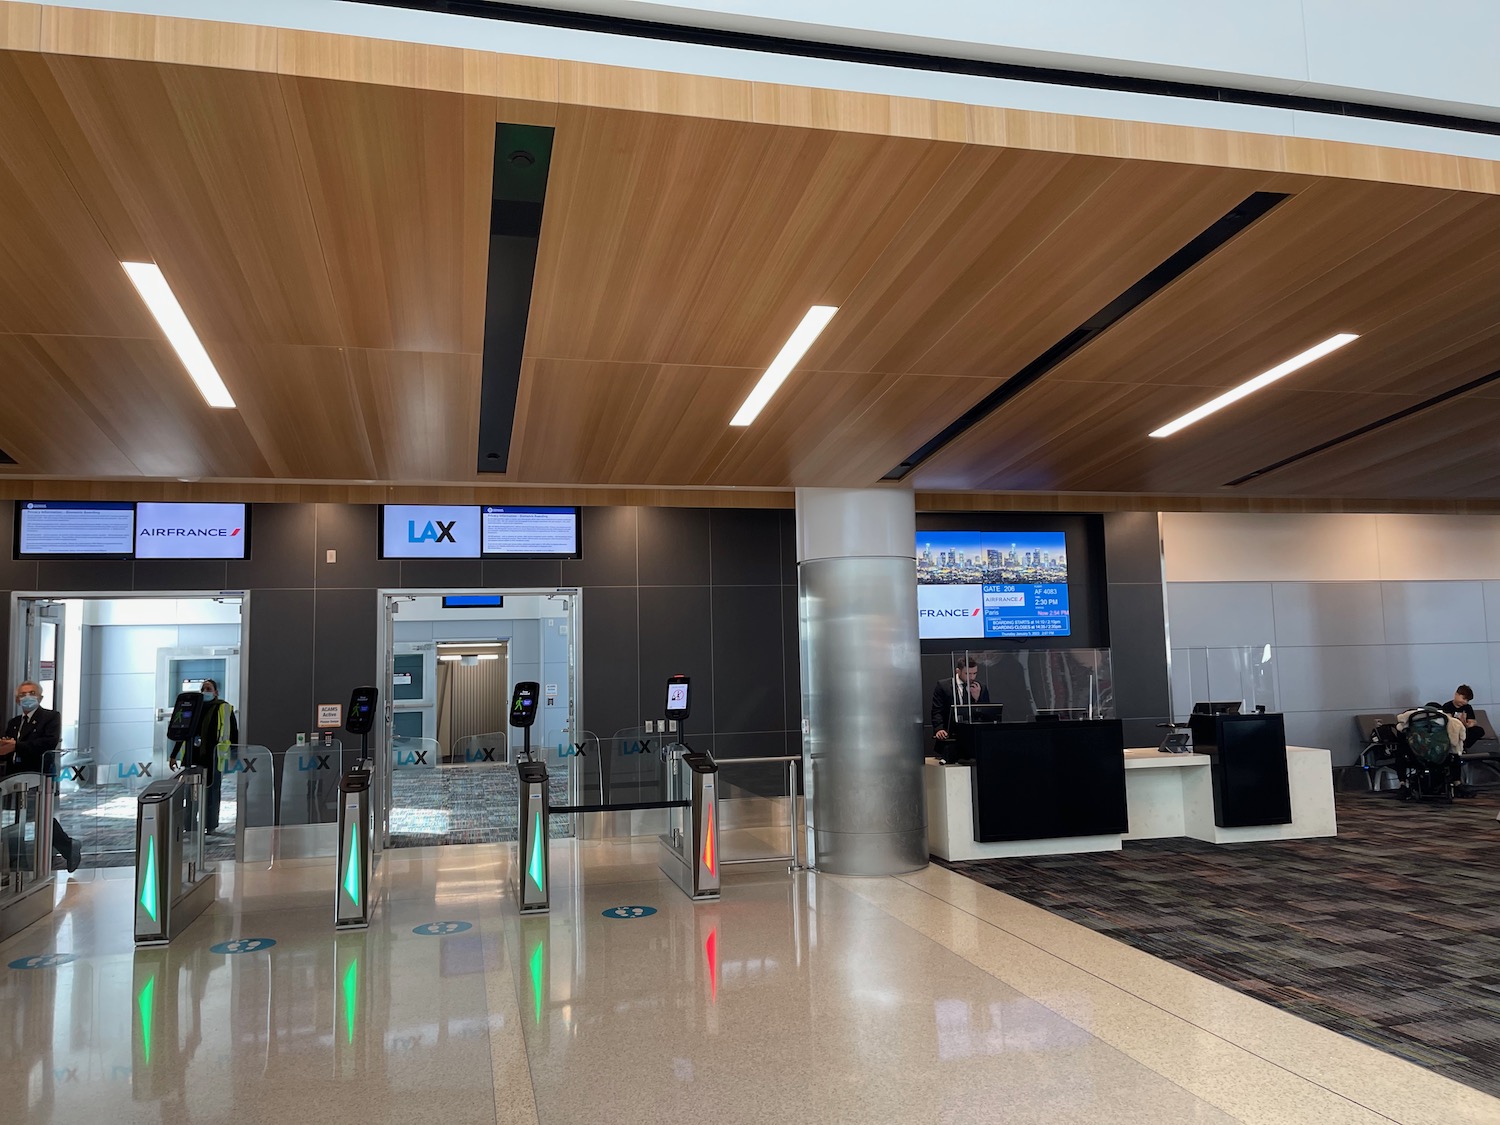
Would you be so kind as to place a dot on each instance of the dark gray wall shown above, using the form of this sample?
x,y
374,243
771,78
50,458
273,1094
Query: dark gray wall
x,y
711,593
1137,624
708,592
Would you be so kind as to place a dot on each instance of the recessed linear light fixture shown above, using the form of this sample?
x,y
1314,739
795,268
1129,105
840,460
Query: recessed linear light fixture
x,y
1280,371
154,290
791,354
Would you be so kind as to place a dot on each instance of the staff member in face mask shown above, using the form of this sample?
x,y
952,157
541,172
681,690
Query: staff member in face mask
x,y
28,738
215,733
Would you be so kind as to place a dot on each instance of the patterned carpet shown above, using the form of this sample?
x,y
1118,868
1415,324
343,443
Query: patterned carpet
x,y
1389,933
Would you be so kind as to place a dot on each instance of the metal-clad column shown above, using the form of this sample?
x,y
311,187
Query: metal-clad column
x,y
861,680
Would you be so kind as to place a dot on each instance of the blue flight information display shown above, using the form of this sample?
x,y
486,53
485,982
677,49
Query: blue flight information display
x,y
973,584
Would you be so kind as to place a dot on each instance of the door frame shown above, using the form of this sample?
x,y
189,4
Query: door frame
x,y
18,639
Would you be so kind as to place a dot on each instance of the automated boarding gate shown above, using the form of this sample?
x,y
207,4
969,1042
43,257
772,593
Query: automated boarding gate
x,y
171,886
25,851
689,848
352,900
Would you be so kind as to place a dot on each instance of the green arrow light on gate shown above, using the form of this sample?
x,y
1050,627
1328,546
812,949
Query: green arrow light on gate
x,y
538,855
145,1001
537,961
351,997
148,895
351,871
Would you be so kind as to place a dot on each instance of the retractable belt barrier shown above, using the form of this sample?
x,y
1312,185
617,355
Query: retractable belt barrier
x,y
25,851
171,886
351,903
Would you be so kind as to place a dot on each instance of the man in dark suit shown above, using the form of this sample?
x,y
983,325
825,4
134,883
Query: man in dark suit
x,y
963,688
28,739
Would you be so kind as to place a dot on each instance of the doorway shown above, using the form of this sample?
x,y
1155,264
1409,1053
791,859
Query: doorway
x,y
450,660
111,665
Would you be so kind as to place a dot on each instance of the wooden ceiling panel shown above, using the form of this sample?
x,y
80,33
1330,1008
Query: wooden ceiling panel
x,y
400,187
617,422
1074,437
843,429
58,273
673,240
984,283
421,411
205,162
303,408
1446,451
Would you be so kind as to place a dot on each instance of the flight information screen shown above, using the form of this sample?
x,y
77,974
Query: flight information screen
x,y
980,584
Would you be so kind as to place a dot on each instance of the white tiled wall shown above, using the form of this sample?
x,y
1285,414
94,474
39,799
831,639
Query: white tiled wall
x,y
1365,613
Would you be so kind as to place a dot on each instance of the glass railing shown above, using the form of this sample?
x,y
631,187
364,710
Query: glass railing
x,y
1233,677
985,685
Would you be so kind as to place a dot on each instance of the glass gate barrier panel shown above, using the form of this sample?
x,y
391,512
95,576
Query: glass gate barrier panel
x,y
251,781
307,778
759,811
25,851
1222,677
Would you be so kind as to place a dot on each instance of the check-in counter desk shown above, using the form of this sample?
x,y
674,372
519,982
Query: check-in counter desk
x,y
1034,798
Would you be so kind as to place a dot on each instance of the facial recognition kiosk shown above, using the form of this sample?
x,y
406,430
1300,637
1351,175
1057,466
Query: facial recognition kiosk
x,y
356,859
532,873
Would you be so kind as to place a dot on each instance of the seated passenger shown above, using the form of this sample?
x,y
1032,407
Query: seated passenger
x,y
1460,708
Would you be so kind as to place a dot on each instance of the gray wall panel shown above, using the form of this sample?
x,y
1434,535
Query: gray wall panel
x,y
748,689
1215,614
1433,612
745,547
673,546
1328,613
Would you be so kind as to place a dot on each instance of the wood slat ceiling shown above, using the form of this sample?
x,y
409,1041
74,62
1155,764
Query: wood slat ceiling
x,y
329,241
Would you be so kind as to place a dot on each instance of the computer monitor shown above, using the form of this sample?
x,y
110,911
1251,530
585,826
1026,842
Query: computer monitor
x,y
978,712
1225,707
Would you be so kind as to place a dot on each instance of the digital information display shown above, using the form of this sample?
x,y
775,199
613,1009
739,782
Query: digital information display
x,y
973,584
60,528
190,531
429,531
530,531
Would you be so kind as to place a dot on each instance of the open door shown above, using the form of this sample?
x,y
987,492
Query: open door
x,y
42,652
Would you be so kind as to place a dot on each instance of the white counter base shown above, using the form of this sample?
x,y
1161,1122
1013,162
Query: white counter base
x,y
1166,795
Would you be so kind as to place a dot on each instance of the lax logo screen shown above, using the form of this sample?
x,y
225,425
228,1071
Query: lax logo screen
x,y
992,584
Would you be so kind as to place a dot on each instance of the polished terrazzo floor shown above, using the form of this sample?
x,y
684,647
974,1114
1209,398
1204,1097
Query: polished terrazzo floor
x,y
926,998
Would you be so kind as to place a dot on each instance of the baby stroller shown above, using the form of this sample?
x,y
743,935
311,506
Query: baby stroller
x,y
1425,760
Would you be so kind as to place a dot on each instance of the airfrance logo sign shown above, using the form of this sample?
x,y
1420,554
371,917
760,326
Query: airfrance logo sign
x,y
427,531
950,611
190,531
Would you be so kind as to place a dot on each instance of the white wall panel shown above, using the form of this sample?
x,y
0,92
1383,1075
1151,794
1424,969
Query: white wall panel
x,y
1328,613
1333,678
1429,673
1415,547
1219,614
1228,547
126,689
1433,612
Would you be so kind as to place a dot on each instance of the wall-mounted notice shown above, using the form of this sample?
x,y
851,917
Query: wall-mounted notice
x,y
64,529
515,531
330,714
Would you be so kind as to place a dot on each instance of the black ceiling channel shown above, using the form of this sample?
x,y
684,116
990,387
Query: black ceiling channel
x,y
1251,208
943,64
6,458
523,155
1369,428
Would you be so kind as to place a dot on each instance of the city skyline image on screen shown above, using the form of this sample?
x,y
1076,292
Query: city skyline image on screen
x,y
985,584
